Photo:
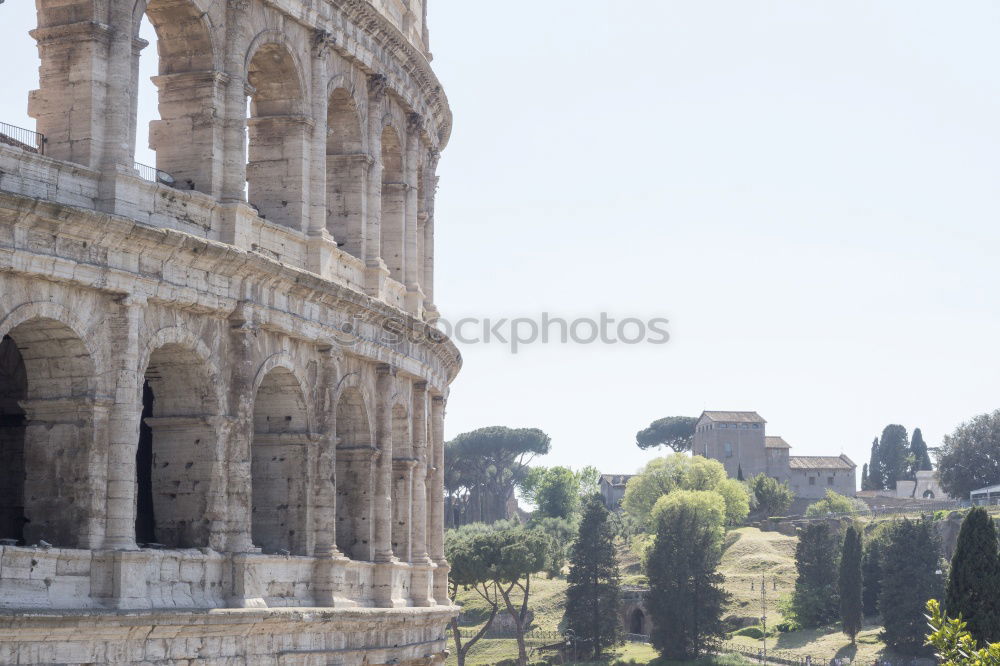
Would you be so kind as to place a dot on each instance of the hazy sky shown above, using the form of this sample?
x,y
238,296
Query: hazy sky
x,y
807,190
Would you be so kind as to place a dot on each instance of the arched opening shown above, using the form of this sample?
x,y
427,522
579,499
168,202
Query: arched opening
x,y
176,451
393,224
403,463
928,494
278,465
278,137
46,434
346,173
13,389
637,622
355,476
180,97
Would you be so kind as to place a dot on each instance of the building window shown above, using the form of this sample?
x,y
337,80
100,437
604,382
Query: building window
x,y
723,425
812,480
756,425
829,480
728,448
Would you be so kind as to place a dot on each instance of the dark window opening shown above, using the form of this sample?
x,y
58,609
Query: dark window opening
x,y
13,423
145,521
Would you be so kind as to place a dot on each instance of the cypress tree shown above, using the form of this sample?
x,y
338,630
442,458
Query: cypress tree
x,y
865,483
974,580
920,457
739,472
593,596
909,563
893,455
871,568
815,601
876,480
850,584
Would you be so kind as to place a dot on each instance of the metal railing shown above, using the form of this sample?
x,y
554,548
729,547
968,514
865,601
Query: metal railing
x,y
152,174
22,138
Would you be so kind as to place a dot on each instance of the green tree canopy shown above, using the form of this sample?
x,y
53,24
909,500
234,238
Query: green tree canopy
x,y
773,496
920,459
851,609
816,599
686,599
893,454
973,591
593,595
876,474
555,491
969,458
679,471
677,432
910,566
835,503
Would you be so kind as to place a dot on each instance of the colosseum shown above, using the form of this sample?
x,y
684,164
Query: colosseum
x,y
221,391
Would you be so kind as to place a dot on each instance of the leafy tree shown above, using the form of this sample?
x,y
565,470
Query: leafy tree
x,y
555,491
893,454
520,553
686,599
973,592
561,532
593,596
662,476
954,645
969,458
909,564
851,610
835,503
590,481
737,499
773,496
815,600
483,467
876,473
919,456
677,432
470,550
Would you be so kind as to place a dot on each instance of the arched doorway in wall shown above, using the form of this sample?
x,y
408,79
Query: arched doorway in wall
x,y
637,622
278,130
47,416
402,483
180,97
278,464
176,454
355,476
346,173
391,233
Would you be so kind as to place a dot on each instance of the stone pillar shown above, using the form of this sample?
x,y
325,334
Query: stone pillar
x,y
322,43
189,137
69,105
402,508
385,386
324,496
278,168
375,268
234,162
422,578
427,253
238,489
436,536
124,424
137,46
411,259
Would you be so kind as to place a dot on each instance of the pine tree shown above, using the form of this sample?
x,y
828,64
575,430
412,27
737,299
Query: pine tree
x,y
919,456
974,580
910,577
593,596
739,472
850,584
865,482
686,599
876,480
871,568
893,455
815,601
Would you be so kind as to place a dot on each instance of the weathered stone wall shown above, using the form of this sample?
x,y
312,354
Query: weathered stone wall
x,y
208,402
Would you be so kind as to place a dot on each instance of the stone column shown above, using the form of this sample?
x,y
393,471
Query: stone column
x,y
411,259
124,424
385,386
422,578
234,175
277,172
427,254
238,489
375,268
436,536
322,43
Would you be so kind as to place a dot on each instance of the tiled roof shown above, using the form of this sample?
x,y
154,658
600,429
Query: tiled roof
x,y
775,442
733,417
616,479
820,462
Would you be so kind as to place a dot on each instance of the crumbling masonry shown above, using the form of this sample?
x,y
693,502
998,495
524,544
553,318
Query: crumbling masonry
x,y
221,399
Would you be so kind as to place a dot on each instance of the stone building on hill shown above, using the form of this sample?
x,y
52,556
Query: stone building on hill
x,y
738,440
221,392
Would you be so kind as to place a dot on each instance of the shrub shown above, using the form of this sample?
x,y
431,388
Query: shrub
x,y
755,632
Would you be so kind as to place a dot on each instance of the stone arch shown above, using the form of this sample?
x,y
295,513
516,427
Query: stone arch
x,y
928,494
186,139
346,171
355,465
637,622
178,450
278,460
393,223
49,485
279,130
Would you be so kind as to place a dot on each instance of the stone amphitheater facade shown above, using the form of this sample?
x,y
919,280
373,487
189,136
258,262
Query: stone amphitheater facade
x,y
221,392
